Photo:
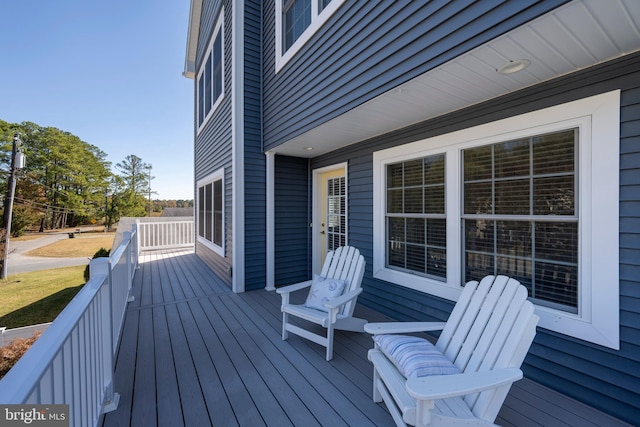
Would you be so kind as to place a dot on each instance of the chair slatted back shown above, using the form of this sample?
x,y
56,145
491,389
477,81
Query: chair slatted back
x,y
491,326
345,263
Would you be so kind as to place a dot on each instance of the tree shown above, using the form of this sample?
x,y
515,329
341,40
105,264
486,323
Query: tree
x,y
65,178
132,185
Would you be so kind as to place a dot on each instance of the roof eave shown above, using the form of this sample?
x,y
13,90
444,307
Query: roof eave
x,y
192,39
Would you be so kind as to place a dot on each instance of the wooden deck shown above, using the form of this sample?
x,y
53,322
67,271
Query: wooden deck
x,y
194,353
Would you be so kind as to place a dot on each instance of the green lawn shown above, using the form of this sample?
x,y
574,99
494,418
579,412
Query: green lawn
x,y
38,297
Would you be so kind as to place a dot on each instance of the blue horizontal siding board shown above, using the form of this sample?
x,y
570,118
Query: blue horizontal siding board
x,y
401,55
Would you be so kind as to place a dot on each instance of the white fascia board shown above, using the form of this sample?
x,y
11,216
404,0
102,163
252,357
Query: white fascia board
x,y
192,39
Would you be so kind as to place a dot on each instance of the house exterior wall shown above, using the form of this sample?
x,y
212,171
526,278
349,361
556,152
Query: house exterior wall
x,y
600,377
333,73
292,219
213,145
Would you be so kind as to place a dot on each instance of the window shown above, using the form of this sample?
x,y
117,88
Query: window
x,y
534,197
210,80
519,215
211,211
296,22
415,216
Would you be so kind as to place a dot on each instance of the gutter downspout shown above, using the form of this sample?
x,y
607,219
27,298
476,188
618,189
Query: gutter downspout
x,y
237,137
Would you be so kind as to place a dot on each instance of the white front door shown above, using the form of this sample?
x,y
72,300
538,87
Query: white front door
x,y
329,212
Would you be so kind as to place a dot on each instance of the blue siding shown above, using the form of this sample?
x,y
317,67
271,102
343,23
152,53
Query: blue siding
x,y
212,147
603,378
254,159
333,73
293,216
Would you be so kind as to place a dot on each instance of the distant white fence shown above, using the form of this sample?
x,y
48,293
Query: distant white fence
x,y
73,361
165,234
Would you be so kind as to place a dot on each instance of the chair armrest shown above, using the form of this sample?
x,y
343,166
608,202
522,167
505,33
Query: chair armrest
x,y
342,299
295,287
402,327
444,386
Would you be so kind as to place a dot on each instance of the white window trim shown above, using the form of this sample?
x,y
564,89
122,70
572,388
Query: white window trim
x,y
218,29
598,118
317,20
210,179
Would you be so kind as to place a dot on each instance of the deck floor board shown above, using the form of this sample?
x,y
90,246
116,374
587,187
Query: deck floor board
x,y
192,353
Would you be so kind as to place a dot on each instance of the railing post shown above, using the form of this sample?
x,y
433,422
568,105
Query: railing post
x,y
139,234
102,266
135,236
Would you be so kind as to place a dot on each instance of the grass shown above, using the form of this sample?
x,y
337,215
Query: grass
x,y
39,296
80,246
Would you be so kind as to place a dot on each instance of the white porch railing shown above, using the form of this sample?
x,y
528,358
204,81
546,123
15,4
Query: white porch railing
x,y
73,361
165,234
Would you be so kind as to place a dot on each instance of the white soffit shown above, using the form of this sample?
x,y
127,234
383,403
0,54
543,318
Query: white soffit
x,y
577,35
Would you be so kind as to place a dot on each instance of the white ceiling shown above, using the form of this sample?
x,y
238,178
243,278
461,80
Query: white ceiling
x,y
575,36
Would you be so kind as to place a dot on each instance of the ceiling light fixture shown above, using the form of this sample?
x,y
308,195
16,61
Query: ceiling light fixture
x,y
514,66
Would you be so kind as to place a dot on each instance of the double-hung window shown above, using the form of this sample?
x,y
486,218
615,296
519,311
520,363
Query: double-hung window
x,y
296,22
534,197
210,79
211,211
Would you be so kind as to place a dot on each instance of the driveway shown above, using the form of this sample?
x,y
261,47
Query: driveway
x,y
19,263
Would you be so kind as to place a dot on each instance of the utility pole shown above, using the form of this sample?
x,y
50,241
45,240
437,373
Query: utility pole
x,y
17,161
149,181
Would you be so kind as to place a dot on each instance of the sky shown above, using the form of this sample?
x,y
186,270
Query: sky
x,y
107,71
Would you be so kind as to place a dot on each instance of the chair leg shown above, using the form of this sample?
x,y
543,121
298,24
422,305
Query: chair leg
x,y
285,318
377,396
330,342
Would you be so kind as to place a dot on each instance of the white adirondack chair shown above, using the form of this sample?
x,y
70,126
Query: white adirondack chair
x,y
344,263
487,336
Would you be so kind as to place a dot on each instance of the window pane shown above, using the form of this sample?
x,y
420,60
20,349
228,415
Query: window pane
x,y
554,195
413,200
416,258
415,230
437,232
216,75
207,86
413,173
512,197
513,238
200,99
512,159
557,284
554,153
436,262
322,4
478,198
478,163
477,266
557,241
394,175
434,199
479,235
201,212
297,17
394,201
434,169
217,212
208,214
